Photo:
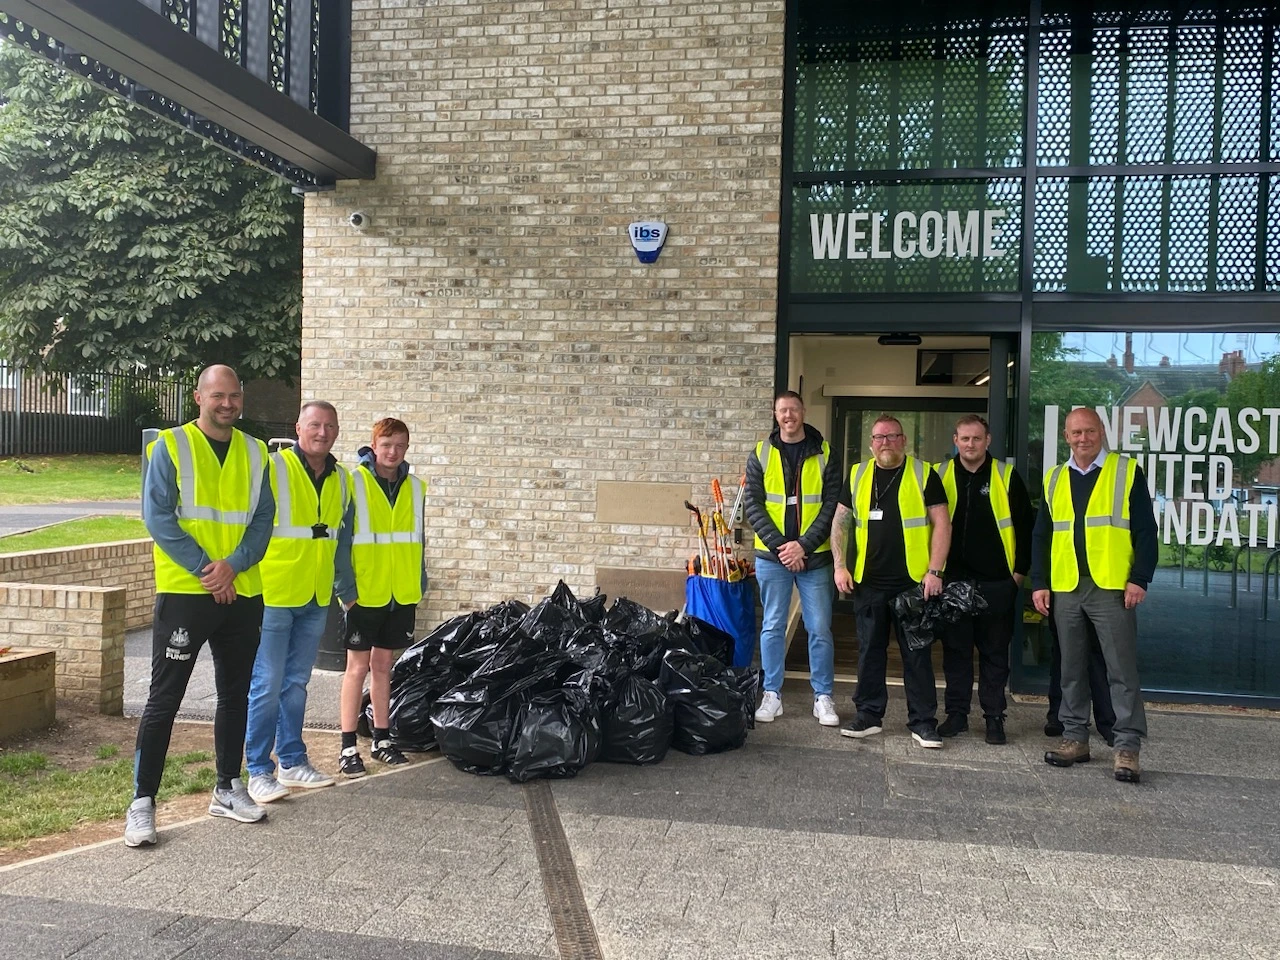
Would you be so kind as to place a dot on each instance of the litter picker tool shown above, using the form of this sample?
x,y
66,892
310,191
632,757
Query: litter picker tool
x,y
704,555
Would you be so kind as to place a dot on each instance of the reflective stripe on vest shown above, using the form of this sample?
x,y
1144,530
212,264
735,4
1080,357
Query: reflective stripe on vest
x,y
914,514
187,508
1108,546
299,566
386,544
998,499
216,503
775,496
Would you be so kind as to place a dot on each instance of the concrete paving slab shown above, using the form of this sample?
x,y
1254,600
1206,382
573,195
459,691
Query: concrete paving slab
x,y
802,844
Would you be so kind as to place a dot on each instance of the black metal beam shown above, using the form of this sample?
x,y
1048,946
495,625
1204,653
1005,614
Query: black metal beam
x,y
130,38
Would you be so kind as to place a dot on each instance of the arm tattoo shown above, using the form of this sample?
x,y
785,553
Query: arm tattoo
x,y
840,533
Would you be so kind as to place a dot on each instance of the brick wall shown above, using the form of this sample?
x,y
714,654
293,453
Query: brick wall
x,y
494,301
126,564
84,625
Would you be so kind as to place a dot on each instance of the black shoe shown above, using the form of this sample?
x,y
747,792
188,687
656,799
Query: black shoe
x,y
1052,728
384,752
861,727
350,765
956,723
995,731
927,737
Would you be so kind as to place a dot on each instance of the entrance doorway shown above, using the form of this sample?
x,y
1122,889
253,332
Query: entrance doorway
x,y
927,383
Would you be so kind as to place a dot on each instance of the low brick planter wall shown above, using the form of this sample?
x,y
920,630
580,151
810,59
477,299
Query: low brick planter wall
x,y
126,564
26,690
83,625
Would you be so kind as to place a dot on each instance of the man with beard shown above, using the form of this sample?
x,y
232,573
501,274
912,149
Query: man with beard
x,y
901,539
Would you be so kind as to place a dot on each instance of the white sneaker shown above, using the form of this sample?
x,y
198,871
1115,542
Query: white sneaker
x,y
303,775
140,823
264,788
770,708
824,709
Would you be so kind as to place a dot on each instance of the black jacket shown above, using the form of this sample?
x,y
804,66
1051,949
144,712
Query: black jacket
x,y
820,530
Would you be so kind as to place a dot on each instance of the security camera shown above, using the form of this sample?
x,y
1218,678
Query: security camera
x,y
358,219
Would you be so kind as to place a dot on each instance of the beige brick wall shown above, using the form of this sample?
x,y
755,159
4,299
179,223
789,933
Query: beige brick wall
x,y
126,564
84,625
494,302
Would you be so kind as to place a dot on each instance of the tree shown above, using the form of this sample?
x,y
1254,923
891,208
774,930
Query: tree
x,y
126,242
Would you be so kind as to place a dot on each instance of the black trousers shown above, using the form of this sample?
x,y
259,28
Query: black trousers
x,y
1104,715
873,614
991,632
183,624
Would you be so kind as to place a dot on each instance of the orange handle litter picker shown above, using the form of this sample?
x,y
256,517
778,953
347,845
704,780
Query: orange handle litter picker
x,y
723,543
704,554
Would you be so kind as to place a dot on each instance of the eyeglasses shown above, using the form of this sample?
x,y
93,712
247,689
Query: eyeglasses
x,y
886,437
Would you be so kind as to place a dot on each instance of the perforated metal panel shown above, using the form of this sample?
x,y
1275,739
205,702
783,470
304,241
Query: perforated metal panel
x,y
1122,86
908,88
1193,234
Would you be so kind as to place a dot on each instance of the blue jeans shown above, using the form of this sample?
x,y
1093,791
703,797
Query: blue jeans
x,y
817,593
278,691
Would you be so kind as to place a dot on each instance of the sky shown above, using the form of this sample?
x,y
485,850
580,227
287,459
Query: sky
x,y
1180,348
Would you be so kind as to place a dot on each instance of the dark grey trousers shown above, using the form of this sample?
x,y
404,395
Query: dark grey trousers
x,y
1118,636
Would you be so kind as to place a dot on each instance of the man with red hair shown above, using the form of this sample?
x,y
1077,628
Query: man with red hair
x,y
388,543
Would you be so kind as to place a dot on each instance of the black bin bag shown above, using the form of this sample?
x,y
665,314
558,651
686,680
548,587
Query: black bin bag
x,y
710,713
638,722
475,720
557,733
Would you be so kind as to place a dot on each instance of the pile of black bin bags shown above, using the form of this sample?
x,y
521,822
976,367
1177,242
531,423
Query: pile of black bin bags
x,y
543,691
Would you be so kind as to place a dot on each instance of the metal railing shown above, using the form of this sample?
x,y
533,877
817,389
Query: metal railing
x,y
47,413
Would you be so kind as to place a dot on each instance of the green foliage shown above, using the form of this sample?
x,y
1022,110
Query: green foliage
x,y
126,242
1256,388
135,402
107,751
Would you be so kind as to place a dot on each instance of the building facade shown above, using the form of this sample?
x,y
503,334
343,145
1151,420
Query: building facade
x,y
932,208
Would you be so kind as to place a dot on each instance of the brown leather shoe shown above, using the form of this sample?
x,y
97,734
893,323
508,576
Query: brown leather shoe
x,y
1067,753
1126,767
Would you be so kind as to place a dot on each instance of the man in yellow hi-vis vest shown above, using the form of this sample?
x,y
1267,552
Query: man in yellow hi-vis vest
x,y
991,520
1094,552
388,546
310,541
792,485
901,538
207,503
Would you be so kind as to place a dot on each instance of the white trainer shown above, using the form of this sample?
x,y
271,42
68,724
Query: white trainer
x,y
770,708
303,775
824,709
264,788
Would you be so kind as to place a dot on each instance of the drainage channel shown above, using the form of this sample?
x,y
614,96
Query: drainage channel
x,y
575,933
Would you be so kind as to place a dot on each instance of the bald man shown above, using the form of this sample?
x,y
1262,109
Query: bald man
x,y
207,503
1094,552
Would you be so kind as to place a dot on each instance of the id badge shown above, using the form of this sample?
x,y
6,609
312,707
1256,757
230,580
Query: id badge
x,y
791,501
875,515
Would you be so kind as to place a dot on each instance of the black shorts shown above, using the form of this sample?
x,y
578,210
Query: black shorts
x,y
390,627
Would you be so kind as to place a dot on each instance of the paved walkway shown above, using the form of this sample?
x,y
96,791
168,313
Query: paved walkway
x,y
20,519
801,845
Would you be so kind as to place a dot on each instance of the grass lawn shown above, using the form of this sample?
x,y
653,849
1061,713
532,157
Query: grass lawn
x,y
37,800
75,533
64,479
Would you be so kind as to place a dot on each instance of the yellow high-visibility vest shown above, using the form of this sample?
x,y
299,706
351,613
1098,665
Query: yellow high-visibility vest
x,y
1107,543
775,492
915,516
216,501
298,566
386,541
998,497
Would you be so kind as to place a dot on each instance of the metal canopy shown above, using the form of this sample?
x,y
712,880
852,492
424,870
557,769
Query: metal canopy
x,y
131,48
